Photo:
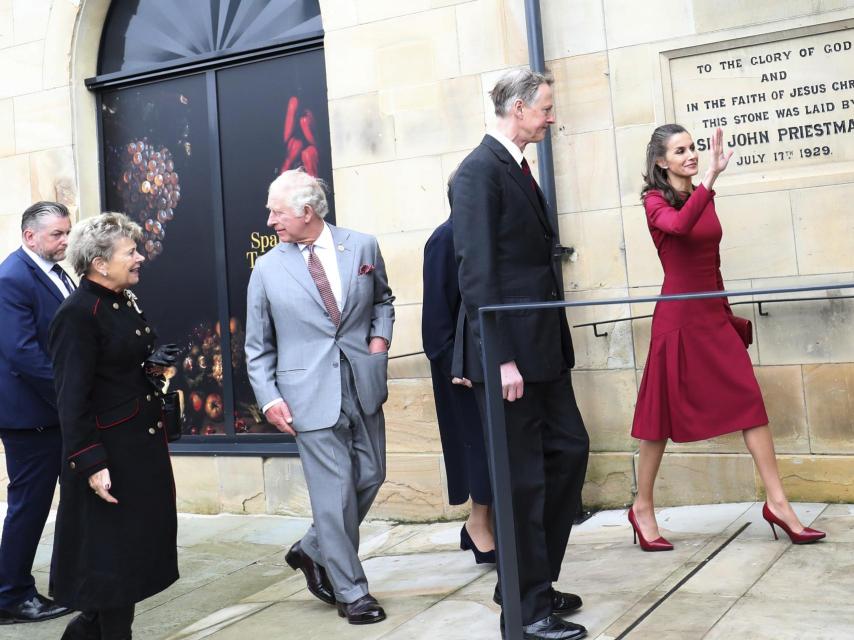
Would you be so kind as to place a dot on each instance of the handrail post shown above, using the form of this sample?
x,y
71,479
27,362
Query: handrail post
x,y
499,471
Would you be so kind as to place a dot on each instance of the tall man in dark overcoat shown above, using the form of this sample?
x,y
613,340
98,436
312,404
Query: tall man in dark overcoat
x,y
32,286
505,247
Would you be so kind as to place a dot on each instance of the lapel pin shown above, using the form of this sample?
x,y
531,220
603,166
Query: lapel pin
x,y
340,247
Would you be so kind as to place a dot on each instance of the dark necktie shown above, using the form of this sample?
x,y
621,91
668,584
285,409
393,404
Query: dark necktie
x,y
526,169
69,286
318,274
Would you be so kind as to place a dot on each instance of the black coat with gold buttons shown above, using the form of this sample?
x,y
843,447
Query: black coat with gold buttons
x,y
110,555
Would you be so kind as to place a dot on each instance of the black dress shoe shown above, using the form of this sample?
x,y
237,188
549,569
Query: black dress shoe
x,y
315,575
562,603
550,628
480,557
35,609
365,610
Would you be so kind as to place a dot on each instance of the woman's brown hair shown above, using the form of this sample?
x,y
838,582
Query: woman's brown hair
x,y
655,178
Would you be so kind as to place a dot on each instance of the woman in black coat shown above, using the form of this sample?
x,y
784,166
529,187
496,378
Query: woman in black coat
x,y
115,540
460,429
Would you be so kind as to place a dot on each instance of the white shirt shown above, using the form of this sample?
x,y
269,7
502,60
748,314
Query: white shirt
x,y
47,267
508,144
325,249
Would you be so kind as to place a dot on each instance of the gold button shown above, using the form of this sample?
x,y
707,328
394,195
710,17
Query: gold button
x,y
129,303
160,424
138,332
73,465
148,397
115,305
148,329
151,431
157,393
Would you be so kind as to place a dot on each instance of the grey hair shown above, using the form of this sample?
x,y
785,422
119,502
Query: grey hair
x,y
519,84
303,189
36,213
96,238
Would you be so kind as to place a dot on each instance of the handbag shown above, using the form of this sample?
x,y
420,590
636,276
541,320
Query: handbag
x,y
173,415
744,328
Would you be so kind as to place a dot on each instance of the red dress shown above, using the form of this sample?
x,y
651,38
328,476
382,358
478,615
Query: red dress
x,y
698,382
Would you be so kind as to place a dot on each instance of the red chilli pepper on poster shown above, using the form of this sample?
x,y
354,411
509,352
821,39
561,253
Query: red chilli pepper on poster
x,y
309,160
306,123
290,117
294,147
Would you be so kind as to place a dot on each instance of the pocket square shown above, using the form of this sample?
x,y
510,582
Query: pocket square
x,y
365,269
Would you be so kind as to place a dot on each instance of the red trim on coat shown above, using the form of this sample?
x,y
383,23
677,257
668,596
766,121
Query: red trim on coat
x,y
95,308
113,424
91,446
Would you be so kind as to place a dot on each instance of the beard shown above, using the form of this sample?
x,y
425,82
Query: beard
x,y
57,255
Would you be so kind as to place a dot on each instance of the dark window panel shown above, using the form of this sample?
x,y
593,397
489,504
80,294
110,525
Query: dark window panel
x,y
265,127
156,152
141,34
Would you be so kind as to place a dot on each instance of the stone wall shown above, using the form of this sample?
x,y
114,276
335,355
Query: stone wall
x,y
407,84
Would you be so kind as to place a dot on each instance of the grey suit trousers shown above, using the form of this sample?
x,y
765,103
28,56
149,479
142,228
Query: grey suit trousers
x,y
344,467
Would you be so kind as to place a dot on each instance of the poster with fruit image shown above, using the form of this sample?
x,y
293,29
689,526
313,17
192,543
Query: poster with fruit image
x,y
156,152
285,128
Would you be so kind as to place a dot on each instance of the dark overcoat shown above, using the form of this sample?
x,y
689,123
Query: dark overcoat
x,y
460,427
110,555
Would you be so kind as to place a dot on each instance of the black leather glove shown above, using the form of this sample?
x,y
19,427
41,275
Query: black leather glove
x,y
165,355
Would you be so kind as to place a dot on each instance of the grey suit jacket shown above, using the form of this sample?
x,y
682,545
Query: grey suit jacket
x,y
293,350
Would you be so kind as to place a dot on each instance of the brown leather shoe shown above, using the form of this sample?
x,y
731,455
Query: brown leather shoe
x,y
365,610
315,575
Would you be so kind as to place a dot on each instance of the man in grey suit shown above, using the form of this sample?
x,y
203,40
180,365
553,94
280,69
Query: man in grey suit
x,y
318,327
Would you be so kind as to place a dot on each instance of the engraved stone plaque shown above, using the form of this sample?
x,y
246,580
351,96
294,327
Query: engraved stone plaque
x,y
783,105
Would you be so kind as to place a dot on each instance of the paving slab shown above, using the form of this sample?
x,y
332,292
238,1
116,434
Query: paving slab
x,y
800,619
685,616
235,584
838,521
822,572
314,620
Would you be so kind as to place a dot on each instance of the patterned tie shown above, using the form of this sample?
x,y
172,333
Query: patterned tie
x,y
315,268
69,285
526,169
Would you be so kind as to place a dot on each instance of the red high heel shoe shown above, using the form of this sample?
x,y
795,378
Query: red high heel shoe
x,y
659,544
804,537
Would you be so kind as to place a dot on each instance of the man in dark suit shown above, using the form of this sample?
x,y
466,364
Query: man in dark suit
x,y
505,247
32,286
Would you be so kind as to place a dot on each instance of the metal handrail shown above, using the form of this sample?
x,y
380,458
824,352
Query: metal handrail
x,y
496,427
406,355
759,303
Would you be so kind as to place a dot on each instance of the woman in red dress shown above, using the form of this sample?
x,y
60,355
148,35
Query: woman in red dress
x,y
698,382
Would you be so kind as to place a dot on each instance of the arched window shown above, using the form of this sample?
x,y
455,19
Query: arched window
x,y
201,104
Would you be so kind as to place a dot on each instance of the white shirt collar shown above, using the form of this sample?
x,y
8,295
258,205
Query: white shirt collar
x,y
44,265
324,240
508,144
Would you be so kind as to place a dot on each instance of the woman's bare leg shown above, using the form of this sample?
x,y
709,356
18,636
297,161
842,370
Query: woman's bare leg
x,y
761,446
479,526
649,460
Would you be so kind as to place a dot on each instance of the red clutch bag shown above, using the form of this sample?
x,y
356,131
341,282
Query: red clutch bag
x,y
744,328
